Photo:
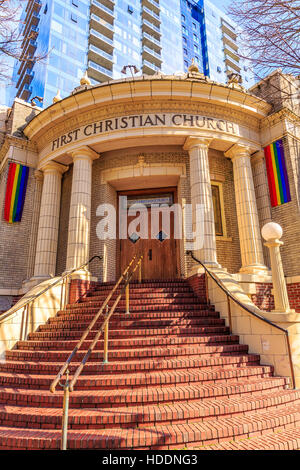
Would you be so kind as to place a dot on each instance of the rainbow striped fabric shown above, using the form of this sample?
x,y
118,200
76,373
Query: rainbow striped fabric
x,y
277,174
15,192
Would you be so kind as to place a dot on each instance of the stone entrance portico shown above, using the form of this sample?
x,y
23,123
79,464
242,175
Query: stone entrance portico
x,y
96,125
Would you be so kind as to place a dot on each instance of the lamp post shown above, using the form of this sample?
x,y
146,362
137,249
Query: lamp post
x,y
272,233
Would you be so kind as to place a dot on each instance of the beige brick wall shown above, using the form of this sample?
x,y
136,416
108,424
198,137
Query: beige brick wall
x,y
14,238
64,221
228,251
288,214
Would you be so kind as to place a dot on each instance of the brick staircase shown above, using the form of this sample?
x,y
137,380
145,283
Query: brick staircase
x,y
175,379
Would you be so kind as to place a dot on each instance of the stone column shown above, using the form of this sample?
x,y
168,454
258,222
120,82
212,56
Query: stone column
x,y
46,247
201,194
80,209
248,222
38,175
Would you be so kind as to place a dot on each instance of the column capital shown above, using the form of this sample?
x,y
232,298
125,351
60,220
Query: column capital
x,y
83,153
54,167
38,175
258,156
197,141
237,151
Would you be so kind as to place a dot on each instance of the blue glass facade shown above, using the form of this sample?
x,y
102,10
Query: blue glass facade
x,y
210,38
100,36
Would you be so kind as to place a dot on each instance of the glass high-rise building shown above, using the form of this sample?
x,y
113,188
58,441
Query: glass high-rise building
x,y
211,38
103,36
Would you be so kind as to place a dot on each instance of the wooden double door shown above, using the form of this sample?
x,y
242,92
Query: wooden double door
x,y
152,237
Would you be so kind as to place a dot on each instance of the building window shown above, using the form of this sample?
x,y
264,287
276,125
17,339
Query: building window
x,y
73,17
75,3
185,51
218,204
219,69
184,40
196,47
130,9
183,17
194,26
183,28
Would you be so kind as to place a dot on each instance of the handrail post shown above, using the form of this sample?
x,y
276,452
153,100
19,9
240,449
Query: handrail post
x,y
127,294
206,287
105,354
140,271
67,291
65,416
229,313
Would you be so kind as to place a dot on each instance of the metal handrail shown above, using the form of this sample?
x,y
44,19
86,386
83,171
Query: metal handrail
x,y
69,385
244,307
27,301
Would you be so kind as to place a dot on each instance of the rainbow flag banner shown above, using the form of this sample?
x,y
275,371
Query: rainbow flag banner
x,y
277,174
15,192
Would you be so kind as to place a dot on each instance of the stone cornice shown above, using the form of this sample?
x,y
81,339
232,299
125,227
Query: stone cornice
x,y
163,94
277,116
77,120
23,144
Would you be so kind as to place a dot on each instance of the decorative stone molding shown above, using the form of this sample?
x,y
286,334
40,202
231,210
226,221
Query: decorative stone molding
x,y
84,152
149,169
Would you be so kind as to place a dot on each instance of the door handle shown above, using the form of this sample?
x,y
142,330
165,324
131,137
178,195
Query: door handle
x,y
150,255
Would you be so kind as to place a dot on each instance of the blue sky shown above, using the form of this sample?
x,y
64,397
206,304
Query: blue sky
x,y
222,4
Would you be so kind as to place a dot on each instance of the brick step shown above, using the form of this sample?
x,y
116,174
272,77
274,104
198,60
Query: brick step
x,y
76,335
280,439
156,325
148,395
140,300
122,321
145,416
124,367
147,283
166,437
117,317
136,295
123,343
83,307
153,287
138,307
127,354
83,315
140,379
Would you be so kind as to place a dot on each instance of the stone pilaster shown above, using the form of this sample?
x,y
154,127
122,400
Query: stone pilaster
x,y
201,195
247,214
46,247
38,175
80,208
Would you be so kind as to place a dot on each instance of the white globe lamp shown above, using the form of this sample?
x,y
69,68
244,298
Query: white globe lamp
x,y
271,231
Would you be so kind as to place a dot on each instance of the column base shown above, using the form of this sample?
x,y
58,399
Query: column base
x,y
33,281
255,269
83,275
198,269
290,310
